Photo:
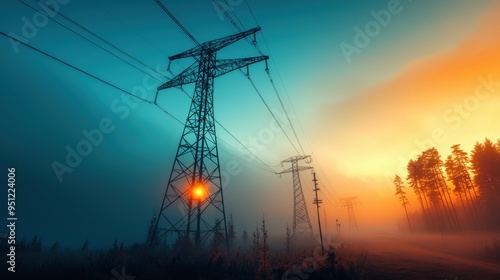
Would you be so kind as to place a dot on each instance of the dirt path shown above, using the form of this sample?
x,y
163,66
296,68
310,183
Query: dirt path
x,y
390,257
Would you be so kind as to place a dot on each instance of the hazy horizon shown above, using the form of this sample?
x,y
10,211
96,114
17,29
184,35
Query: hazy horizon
x,y
362,116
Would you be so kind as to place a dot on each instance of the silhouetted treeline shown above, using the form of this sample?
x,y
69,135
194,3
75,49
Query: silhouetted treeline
x,y
460,193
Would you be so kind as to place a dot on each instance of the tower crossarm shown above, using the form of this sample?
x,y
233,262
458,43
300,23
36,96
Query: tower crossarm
x,y
223,66
187,76
215,45
227,65
299,168
297,158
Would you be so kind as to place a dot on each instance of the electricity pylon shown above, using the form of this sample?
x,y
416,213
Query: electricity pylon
x,y
349,202
195,179
301,223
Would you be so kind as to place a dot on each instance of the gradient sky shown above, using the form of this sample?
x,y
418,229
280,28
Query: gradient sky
x,y
361,118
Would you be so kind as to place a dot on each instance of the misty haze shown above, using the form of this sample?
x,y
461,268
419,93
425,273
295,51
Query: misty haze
x,y
244,139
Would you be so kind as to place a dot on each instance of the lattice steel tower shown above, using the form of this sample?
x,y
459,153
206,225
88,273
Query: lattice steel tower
x,y
349,202
301,223
193,204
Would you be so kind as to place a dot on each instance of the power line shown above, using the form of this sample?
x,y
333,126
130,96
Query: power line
x,y
238,28
251,12
145,100
327,181
285,89
283,107
253,84
269,169
226,14
232,11
230,134
86,39
107,42
130,27
102,39
224,11
126,92
283,84
166,112
176,21
110,44
272,114
279,77
142,37
75,68
117,48
197,43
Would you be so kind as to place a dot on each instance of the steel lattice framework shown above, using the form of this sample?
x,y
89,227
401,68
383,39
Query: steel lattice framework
x,y
193,204
301,222
350,202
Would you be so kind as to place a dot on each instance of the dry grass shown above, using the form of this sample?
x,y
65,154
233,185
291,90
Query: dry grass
x,y
181,263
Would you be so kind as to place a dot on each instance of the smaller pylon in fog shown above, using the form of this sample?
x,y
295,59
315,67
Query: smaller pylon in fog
x,y
349,202
301,223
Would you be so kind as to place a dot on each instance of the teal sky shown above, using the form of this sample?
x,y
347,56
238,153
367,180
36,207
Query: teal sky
x,y
113,191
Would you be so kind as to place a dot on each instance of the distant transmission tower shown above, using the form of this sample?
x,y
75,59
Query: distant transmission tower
x,y
349,202
301,223
193,204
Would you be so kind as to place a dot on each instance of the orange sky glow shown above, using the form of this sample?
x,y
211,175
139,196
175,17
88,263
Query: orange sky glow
x,y
450,97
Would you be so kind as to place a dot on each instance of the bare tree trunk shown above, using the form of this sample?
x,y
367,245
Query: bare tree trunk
x,y
407,217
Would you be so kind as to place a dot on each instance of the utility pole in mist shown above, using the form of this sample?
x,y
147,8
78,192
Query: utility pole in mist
x,y
338,227
318,202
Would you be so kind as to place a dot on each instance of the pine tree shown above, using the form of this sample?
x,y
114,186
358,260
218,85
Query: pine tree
x,y
458,173
218,237
36,244
85,245
152,235
485,159
264,270
231,234
402,197
331,258
415,178
256,249
244,236
288,242
55,247
486,168
436,189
